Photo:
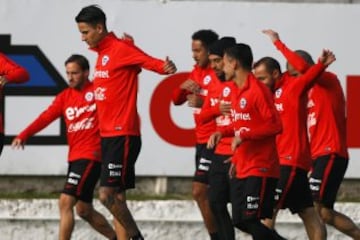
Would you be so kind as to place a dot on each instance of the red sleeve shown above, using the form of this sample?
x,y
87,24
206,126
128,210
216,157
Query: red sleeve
x,y
53,112
271,119
179,96
13,72
228,131
292,57
209,114
307,80
135,56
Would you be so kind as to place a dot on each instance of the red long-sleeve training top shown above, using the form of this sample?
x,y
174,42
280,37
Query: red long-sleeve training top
x,y
116,84
256,122
220,93
14,74
326,110
78,109
291,102
205,77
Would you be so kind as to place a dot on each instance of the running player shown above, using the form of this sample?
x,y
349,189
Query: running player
x,y
194,90
290,96
10,72
116,84
76,105
217,105
255,165
327,134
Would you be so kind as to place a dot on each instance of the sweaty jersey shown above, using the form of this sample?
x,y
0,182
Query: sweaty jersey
x,y
205,77
78,109
218,93
116,85
326,110
256,122
14,74
291,102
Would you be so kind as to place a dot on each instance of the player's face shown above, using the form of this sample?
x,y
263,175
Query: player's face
x,y
75,75
200,53
262,74
90,34
217,64
229,67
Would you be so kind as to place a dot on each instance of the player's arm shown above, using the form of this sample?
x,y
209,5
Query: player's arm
x,y
135,56
271,119
292,57
313,75
53,112
10,72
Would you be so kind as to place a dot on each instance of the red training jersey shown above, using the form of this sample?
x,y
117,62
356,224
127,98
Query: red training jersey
x,y
326,110
256,122
221,93
14,74
205,77
78,109
116,85
291,102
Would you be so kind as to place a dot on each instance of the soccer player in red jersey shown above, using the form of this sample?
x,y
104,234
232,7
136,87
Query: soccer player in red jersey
x,y
116,85
76,105
290,96
255,163
217,105
10,72
327,134
194,90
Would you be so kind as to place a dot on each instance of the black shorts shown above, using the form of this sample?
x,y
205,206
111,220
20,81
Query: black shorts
x,y
119,155
326,177
252,198
203,157
81,179
219,182
293,190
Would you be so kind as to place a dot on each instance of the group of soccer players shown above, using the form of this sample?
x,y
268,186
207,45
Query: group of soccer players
x,y
266,139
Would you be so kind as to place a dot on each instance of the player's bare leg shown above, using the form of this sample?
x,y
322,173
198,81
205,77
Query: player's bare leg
x,y
339,221
200,195
120,230
116,203
66,205
315,228
87,212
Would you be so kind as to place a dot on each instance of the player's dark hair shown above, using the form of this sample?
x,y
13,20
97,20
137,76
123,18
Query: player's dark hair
x,y
80,60
92,15
270,63
242,53
218,47
306,56
206,36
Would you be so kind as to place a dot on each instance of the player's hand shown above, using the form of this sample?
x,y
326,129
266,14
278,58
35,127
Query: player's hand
x,y
214,139
194,100
235,143
3,81
232,171
169,66
327,57
225,108
191,86
17,143
274,36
